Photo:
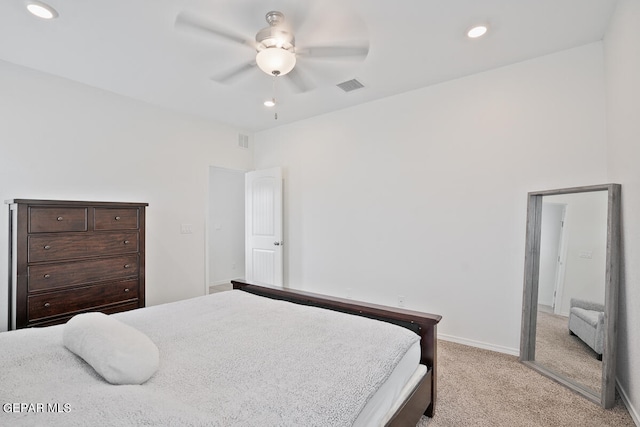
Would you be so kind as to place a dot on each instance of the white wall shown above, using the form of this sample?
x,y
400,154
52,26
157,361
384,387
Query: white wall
x,y
622,65
64,140
226,225
424,194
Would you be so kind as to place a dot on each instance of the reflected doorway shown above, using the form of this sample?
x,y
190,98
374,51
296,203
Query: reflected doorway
x,y
225,227
551,257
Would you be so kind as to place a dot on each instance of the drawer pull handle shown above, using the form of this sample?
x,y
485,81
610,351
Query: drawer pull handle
x,y
47,305
46,276
127,266
47,247
117,218
126,242
59,218
126,289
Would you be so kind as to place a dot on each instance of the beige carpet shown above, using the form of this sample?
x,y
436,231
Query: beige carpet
x,y
220,288
566,354
483,388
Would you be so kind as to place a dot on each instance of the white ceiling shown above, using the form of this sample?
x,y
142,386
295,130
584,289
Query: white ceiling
x,y
132,48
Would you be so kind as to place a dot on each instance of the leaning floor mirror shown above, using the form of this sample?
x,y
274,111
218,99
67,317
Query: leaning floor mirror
x,y
571,279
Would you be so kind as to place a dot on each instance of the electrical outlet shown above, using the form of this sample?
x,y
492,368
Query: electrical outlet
x,y
186,229
400,300
349,293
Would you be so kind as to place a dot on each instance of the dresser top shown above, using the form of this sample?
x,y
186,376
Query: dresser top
x,y
72,203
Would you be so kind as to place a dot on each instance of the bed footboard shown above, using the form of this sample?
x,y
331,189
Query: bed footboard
x,y
423,399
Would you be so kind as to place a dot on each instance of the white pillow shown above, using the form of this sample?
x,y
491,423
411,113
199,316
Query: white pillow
x,y
119,353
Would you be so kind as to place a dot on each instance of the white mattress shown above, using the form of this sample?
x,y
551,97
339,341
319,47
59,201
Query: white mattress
x,y
395,389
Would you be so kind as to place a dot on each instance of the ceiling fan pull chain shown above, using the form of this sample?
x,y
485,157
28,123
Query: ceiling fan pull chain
x,y
274,87
275,114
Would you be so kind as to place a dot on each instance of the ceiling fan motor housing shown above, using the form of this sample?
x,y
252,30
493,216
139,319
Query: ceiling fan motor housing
x,y
276,34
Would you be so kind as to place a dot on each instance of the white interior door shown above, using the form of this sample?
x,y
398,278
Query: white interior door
x,y
558,293
263,227
550,239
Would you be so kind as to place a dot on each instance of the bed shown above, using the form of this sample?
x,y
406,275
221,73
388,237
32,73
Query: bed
x,y
254,356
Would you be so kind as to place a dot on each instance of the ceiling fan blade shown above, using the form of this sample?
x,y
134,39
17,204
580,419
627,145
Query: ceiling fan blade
x,y
191,21
298,16
334,51
231,75
300,83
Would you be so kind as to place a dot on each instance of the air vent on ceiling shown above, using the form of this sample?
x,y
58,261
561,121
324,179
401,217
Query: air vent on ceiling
x,y
350,85
243,141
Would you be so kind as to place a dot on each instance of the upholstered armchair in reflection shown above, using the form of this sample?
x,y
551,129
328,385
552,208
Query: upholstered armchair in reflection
x,y
586,321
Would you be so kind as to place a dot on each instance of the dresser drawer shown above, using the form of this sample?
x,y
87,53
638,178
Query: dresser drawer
x,y
56,219
80,245
116,218
51,276
109,309
83,298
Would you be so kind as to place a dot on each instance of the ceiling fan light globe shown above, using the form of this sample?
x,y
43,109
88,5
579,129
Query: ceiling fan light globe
x,y
276,61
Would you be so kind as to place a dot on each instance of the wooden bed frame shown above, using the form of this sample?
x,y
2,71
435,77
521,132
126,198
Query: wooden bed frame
x,y
423,398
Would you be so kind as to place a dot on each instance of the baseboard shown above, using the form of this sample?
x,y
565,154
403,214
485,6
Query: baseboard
x,y
479,344
219,282
635,416
223,282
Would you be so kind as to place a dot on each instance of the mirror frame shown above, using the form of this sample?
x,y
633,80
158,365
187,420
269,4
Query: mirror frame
x,y
612,277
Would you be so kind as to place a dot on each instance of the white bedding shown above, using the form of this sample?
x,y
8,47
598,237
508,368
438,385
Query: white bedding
x,y
304,367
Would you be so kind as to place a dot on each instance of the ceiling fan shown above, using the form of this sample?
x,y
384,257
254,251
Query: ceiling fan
x,y
276,53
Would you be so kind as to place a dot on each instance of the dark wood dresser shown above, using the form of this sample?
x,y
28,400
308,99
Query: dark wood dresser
x,y
69,257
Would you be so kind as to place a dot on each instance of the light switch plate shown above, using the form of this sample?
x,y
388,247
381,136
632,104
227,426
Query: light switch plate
x,y
586,254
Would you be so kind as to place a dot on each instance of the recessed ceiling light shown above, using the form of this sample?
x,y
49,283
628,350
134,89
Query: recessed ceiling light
x,y
477,31
270,102
41,10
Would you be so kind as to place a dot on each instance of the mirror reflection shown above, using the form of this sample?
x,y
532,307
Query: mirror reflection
x,y
571,287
